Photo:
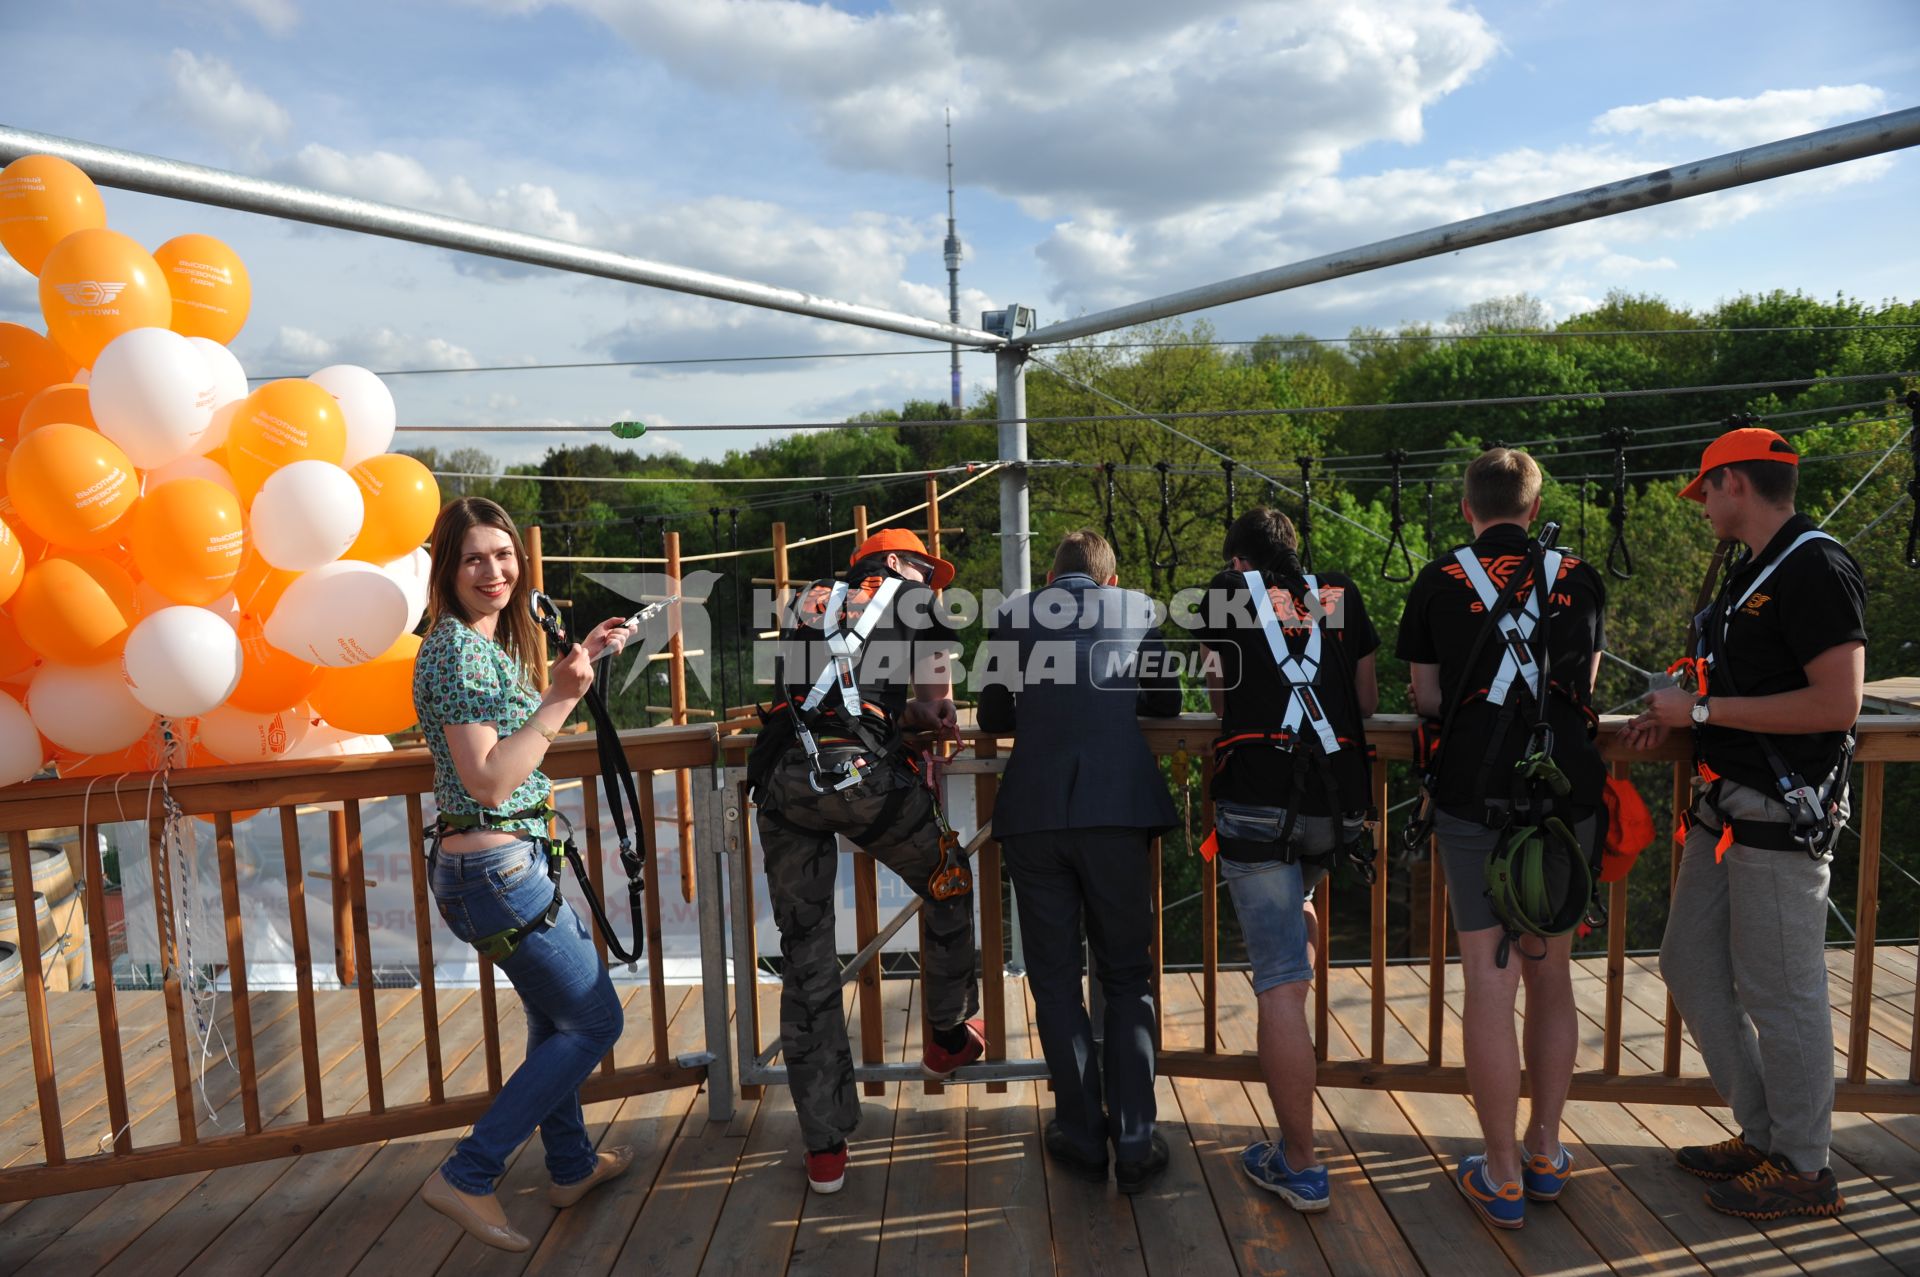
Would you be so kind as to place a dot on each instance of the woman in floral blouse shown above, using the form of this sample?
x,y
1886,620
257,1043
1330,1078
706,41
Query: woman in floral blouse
x,y
488,726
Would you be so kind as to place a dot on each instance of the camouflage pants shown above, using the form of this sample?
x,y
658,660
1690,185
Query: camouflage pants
x,y
797,828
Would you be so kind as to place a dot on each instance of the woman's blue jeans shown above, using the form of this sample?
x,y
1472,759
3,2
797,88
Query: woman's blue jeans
x,y
573,1014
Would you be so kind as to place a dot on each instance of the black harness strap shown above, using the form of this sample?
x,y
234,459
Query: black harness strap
x,y
1306,511
1395,538
1619,553
1166,555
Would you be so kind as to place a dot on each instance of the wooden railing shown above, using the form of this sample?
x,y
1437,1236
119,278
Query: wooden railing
x,y
219,792
722,829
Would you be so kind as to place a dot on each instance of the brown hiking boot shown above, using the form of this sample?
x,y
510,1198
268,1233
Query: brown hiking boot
x,y
1772,1190
1725,1160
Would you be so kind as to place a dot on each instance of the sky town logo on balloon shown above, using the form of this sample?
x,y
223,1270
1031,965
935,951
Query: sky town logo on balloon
x,y
93,296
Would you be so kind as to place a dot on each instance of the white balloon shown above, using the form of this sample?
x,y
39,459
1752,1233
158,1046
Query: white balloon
x,y
20,754
367,405
340,614
411,571
307,514
86,709
152,393
229,391
181,661
235,736
189,467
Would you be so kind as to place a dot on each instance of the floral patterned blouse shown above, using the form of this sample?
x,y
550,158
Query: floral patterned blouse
x,y
464,677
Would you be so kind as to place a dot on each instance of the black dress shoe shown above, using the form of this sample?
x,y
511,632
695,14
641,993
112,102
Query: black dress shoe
x,y
1133,1177
1061,1150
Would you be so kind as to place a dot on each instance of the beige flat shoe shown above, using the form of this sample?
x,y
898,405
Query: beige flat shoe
x,y
481,1216
611,1165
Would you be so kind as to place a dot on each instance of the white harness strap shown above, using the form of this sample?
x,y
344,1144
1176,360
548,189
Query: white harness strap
x,y
1763,574
843,646
1302,672
1515,630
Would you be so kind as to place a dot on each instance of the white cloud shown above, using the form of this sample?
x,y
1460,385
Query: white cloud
x,y
1130,106
1737,122
19,291
400,179
276,17
210,94
296,352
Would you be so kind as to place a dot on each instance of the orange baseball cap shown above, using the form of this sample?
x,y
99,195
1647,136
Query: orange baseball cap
x,y
903,541
1749,443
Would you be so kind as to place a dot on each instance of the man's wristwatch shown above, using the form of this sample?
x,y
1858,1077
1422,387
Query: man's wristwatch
x,y
1700,711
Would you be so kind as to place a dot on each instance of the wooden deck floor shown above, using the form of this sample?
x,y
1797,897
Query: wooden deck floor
x,y
940,1184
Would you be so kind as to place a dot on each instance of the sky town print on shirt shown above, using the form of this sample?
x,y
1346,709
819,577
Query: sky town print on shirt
x,y
802,144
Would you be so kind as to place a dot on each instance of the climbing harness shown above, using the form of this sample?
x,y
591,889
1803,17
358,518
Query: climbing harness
x,y
1396,540
1516,630
1619,554
1306,511
844,646
1165,554
1227,467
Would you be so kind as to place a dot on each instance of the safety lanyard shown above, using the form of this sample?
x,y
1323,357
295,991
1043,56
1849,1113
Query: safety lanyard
x,y
1516,629
1302,672
844,646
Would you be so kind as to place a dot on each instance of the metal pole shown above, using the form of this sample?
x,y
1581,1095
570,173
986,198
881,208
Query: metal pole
x,y
153,175
1837,145
1016,573
709,846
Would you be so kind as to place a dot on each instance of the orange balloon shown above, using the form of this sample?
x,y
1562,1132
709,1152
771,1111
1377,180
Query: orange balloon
x,y
29,363
402,501
13,561
32,544
270,680
187,539
76,608
44,199
372,699
257,587
72,486
287,420
97,284
211,291
64,401
17,660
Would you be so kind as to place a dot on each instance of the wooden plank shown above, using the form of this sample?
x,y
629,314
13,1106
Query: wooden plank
x,y
1383,865
866,924
490,1023
1007,1225
677,694
756,1228
650,908
1616,958
1323,912
104,993
237,968
363,952
302,957
1177,1230
991,883
76,1060
423,947
1866,914
927,1182
343,954
170,972
1682,802
33,987
1437,921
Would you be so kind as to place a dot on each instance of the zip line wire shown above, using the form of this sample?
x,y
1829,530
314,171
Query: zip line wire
x,y
1904,434
1275,340
786,478
1504,401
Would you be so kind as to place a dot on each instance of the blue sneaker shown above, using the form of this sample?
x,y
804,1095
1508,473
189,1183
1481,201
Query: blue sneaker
x,y
1544,1177
1305,1191
1501,1205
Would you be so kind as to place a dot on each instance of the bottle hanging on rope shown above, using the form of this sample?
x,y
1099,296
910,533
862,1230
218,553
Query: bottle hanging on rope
x,y
1395,539
1912,401
1306,511
1619,554
1107,526
1227,468
1165,554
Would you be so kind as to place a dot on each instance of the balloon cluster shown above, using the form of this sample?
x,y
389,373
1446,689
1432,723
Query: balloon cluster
x,y
189,572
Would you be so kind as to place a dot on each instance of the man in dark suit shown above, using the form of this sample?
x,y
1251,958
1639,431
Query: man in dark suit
x,y
1077,812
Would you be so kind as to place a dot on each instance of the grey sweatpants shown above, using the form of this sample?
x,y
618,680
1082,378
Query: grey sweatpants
x,y
1745,958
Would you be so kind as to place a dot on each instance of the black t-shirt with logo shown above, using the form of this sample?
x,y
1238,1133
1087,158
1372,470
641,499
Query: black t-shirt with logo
x,y
1443,619
1258,694
1814,600
914,628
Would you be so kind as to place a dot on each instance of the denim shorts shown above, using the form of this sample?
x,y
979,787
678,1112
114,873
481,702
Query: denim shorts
x,y
1267,898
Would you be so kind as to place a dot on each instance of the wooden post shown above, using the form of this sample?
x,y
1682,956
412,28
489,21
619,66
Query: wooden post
x,y
1616,964
677,692
1436,952
237,971
112,1064
1377,1028
933,517
423,940
1682,796
1866,912
343,963
537,576
296,873
171,989
859,524
39,1034
363,947
988,882
780,579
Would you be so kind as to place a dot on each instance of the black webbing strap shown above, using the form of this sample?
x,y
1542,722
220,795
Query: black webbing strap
x,y
1396,540
1912,401
1165,553
1619,553
623,800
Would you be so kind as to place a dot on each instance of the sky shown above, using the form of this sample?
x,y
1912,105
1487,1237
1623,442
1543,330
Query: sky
x,y
1105,152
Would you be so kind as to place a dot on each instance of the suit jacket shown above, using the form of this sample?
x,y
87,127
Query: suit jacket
x,y
1075,663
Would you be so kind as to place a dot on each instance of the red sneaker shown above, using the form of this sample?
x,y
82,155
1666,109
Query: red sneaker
x,y
939,1063
827,1171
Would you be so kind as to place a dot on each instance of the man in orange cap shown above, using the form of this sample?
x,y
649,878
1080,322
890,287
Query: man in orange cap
x,y
865,677
1780,658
